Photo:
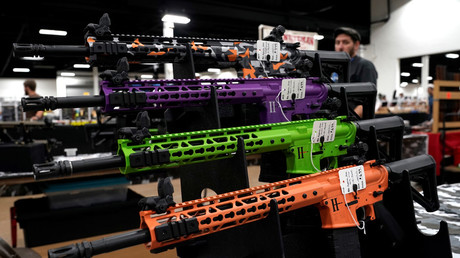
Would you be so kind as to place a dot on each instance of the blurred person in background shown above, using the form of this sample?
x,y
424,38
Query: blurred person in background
x,y
29,89
361,70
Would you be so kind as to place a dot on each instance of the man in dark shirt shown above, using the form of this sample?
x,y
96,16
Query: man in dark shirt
x,y
361,70
29,89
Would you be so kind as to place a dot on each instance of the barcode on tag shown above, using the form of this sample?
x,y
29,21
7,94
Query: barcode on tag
x,y
324,129
268,48
352,176
293,86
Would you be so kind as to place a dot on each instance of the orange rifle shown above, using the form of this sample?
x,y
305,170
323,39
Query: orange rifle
x,y
197,218
336,193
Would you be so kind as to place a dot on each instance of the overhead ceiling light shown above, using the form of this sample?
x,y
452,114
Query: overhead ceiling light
x,y
405,74
81,66
415,81
53,32
146,76
417,65
214,70
318,37
21,70
403,84
68,74
430,78
452,55
32,58
175,19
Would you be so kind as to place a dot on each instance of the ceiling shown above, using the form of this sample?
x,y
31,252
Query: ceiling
x,y
21,22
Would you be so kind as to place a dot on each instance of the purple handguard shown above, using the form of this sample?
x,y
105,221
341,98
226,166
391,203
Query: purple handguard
x,y
162,94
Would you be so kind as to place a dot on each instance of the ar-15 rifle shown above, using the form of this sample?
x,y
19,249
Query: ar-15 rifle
x,y
280,98
146,95
246,56
304,143
338,194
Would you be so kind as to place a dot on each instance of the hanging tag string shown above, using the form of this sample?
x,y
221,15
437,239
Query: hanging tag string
x,y
277,100
358,225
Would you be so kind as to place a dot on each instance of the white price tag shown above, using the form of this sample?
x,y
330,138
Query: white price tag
x,y
268,48
293,86
352,176
324,129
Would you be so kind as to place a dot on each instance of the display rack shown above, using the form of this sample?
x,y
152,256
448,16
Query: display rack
x,y
444,91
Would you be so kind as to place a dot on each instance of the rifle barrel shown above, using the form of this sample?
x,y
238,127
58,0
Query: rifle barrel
x,y
20,49
67,168
88,249
52,103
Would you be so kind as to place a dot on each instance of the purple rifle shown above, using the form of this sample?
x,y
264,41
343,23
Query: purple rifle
x,y
281,98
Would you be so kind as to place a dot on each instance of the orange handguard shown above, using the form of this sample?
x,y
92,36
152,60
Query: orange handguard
x,y
197,218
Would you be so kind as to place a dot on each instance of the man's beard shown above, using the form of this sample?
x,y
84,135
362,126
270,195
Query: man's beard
x,y
352,52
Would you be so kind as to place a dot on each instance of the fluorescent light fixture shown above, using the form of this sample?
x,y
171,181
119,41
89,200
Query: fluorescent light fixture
x,y
405,74
318,37
214,70
21,70
175,19
146,76
403,84
415,81
68,74
33,58
430,78
53,32
452,55
417,65
81,66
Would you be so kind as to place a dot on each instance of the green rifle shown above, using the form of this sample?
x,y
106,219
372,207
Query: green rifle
x,y
306,144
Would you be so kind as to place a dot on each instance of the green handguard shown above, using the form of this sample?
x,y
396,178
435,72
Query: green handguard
x,y
331,138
